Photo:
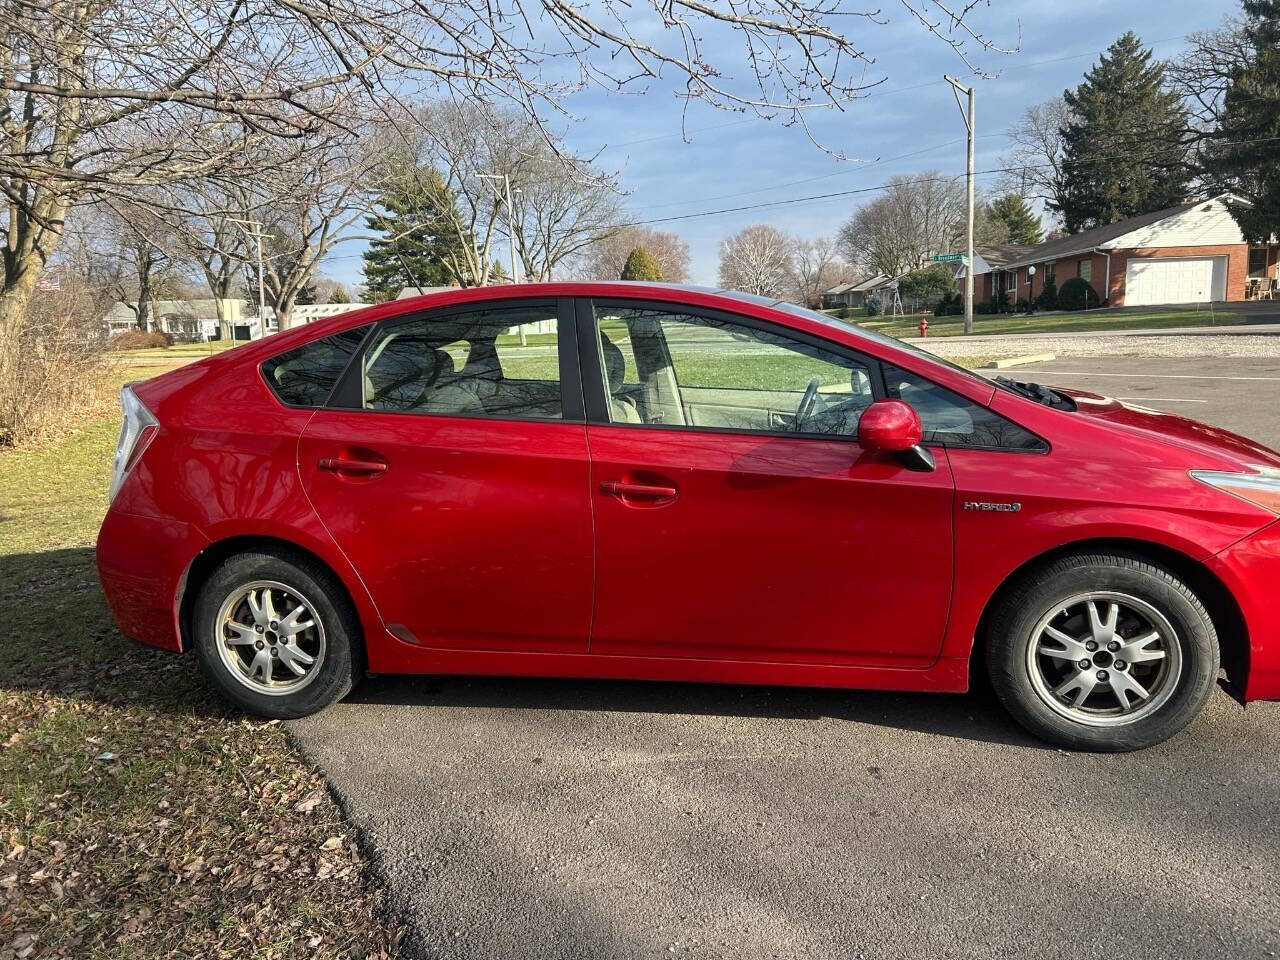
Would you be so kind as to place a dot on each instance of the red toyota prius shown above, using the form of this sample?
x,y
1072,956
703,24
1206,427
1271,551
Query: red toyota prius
x,y
664,483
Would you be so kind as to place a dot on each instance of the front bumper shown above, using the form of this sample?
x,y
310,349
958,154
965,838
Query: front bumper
x,y
1250,569
141,563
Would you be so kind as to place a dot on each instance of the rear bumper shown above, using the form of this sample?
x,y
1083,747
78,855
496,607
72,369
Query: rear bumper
x,y
1251,571
141,563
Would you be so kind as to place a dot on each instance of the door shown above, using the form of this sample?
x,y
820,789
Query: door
x,y
1175,280
456,478
736,515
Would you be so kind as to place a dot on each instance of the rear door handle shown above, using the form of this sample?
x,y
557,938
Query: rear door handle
x,y
640,491
342,465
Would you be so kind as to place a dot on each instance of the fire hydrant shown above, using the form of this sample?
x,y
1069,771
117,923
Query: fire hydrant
x,y
924,326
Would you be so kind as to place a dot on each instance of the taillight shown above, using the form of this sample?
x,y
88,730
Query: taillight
x,y
137,428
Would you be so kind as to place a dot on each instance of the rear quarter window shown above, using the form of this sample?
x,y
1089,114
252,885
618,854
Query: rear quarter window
x,y
306,375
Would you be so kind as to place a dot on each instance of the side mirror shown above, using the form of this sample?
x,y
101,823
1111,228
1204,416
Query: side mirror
x,y
891,426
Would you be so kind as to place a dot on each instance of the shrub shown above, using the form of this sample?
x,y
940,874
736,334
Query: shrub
x,y
58,379
1048,299
640,265
1000,302
846,312
875,306
1077,294
951,305
1022,306
928,283
139,340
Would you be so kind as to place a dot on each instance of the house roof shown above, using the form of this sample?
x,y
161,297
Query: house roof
x,y
838,289
1100,236
998,254
871,283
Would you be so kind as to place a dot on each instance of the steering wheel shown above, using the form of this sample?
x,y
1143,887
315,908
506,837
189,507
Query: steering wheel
x,y
806,403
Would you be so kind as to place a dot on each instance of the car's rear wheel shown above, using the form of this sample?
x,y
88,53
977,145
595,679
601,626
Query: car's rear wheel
x,y
1102,652
276,634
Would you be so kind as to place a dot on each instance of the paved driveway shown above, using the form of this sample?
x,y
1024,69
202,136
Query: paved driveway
x,y
525,819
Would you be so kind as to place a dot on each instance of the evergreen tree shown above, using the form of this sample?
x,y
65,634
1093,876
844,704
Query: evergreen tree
x,y
640,265
1021,224
417,240
1124,148
1243,155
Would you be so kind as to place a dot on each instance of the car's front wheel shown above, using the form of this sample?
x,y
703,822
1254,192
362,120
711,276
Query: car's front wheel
x,y
276,634
1102,652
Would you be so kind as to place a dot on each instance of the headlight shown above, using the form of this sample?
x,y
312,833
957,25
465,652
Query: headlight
x,y
136,430
1260,489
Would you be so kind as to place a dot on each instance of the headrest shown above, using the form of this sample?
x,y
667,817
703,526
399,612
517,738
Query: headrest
x,y
615,365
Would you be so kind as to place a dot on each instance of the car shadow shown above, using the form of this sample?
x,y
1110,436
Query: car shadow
x,y
973,716
59,638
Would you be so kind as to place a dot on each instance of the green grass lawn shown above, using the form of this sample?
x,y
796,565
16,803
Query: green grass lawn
x,y
1101,320
179,351
141,817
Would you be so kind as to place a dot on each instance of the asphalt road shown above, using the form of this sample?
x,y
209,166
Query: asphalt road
x,y
528,819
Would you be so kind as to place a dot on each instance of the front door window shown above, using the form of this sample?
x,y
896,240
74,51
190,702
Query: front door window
x,y
665,367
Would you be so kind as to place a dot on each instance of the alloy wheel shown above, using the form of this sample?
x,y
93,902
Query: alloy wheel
x,y
1104,658
270,638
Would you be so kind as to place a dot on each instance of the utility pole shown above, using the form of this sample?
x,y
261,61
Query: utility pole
x,y
956,89
256,234
511,232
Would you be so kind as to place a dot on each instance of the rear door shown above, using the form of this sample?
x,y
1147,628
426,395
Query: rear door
x,y
452,469
736,515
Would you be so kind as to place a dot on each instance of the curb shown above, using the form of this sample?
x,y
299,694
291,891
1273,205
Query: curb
x,y
1019,361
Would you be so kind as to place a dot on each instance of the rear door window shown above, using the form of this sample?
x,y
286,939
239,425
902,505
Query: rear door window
x,y
490,362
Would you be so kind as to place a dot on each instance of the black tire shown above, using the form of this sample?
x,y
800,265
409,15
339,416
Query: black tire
x,y
338,663
1175,700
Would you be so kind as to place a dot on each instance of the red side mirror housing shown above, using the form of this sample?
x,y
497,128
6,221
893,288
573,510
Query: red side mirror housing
x,y
889,426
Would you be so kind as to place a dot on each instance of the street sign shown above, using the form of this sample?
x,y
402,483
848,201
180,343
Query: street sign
x,y
950,258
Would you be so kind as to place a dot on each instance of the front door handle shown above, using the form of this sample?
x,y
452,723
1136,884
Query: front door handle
x,y
343,465
627,490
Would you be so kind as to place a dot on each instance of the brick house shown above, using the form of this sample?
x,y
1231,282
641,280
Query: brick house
x,y
1191,253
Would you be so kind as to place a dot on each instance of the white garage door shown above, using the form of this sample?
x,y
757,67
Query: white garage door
x,y
1181,280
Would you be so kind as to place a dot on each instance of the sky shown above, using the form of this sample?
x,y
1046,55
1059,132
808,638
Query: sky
x,y
907,124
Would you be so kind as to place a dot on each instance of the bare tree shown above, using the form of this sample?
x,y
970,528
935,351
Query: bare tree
x,y
307,215
758,259
207,234
915,218
561,205
1037,158
816,266
111,95
605,258
1205,69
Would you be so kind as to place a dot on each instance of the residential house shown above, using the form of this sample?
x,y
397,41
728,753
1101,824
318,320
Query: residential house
x,y
197,320
856,294
1188,254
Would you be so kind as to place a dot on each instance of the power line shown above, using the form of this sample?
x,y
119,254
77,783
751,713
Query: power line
x,y
857,191
885,186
